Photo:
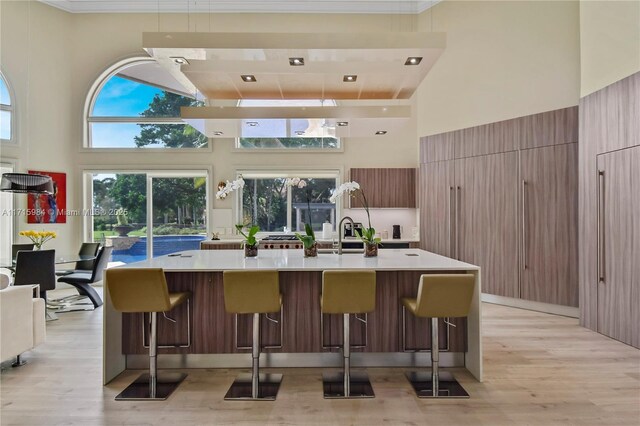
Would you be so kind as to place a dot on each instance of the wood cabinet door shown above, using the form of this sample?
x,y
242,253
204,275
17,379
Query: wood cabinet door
x,y
619,245
436,200
386,188
549,224
486,219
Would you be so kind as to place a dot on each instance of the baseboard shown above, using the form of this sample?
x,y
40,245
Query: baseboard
x,y
548,308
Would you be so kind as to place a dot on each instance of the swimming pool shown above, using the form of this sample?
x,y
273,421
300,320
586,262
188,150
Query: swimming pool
x,y
162,245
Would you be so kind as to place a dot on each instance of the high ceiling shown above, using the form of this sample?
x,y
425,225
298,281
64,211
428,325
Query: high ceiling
x,y
335,65
243,6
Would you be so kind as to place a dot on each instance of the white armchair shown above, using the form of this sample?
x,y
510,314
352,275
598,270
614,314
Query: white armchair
x,y
22,320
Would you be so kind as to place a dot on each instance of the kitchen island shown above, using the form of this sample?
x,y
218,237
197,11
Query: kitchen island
x,y
299,336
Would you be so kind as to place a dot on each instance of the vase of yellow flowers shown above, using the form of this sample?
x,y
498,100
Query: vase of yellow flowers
x,y
367,235
39,237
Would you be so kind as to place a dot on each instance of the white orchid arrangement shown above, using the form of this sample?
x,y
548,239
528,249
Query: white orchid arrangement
x,y
310,238
226,188
353,188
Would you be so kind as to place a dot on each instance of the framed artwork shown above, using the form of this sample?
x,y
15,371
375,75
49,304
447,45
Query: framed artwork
x,y
49,208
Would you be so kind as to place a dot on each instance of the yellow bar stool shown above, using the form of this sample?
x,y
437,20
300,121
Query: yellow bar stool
x,y
253,292
145,290
439,296
347,292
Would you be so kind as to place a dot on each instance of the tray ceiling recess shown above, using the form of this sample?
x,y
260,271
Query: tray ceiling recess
x,y
298,65
325,121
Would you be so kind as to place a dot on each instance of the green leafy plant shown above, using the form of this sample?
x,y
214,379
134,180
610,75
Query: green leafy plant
x,y
309,239
250,238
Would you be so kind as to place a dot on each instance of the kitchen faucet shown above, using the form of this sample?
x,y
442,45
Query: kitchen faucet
x,y
353,227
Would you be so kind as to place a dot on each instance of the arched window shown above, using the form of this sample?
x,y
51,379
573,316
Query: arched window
x,y
287,134
7,115
136,104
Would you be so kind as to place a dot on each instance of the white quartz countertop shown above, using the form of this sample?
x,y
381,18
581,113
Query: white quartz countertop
x,y
294,260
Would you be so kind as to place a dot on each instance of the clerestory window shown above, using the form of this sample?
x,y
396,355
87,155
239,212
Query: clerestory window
x,y
287,134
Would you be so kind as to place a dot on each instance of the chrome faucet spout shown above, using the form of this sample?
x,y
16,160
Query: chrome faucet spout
x,y
353,226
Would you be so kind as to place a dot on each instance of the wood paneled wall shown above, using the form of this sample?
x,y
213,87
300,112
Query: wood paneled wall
x,y
609,121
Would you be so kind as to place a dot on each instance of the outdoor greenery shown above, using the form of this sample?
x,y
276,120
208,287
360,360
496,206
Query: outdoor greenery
x,y
264,202
168,104
178,203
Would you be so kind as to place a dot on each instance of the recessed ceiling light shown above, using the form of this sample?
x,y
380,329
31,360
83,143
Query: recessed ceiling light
x,y
248,78
342,123
252,123
413,60
381,132
350,78
218,133
299,132
179,60
296,62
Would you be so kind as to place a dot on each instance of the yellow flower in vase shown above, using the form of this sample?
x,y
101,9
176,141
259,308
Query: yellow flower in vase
x,y
39,237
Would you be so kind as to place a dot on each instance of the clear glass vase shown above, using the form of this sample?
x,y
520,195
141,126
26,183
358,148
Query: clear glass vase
x,y
250,251
311,251
370,249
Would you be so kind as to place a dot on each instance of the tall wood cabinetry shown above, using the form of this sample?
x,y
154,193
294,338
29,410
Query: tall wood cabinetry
x,y
504,196
609,213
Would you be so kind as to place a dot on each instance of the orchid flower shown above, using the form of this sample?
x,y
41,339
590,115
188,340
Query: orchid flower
x,y
227,187
367,235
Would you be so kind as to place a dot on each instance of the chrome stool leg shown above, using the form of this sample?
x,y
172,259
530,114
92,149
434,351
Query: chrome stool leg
x,y
346,384
151,386
255,386
435,384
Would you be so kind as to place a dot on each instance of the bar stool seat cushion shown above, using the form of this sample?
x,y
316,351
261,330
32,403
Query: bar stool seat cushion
x,y
348,292
252,292
441,296
141,290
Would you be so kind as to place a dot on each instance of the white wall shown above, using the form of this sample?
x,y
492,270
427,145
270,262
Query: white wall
x,y
504,59
609,42
55,57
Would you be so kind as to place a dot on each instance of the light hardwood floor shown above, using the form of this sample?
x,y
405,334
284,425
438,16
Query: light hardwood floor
x,y
539,370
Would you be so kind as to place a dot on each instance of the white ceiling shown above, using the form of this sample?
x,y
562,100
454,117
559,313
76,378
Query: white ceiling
x,y
218,60
243,6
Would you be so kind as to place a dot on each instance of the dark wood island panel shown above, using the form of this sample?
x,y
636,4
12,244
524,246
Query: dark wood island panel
x,y
213,331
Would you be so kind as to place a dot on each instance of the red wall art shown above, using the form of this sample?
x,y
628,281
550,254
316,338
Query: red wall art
x,y
49,208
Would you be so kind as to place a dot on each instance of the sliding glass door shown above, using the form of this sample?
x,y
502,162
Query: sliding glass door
x,y
145,214
178,212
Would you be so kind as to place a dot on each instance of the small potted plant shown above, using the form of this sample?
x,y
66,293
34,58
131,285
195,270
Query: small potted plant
x,y
309,239
250,241
122,228
367,235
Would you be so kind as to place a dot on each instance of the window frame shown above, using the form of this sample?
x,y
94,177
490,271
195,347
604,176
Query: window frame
x,y
88,119
238,148
11,109
286,172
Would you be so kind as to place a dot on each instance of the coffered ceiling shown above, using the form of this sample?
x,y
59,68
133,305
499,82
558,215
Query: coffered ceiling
x,y
243,6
